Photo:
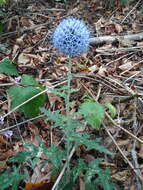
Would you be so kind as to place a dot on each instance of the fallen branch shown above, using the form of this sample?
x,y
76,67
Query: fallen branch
x,y
103,39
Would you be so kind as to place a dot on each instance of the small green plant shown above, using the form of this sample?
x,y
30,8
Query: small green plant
x,y
30,157
94,176
93,113
89,171
11,178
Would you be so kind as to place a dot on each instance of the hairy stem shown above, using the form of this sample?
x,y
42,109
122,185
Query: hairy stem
x,y
69,78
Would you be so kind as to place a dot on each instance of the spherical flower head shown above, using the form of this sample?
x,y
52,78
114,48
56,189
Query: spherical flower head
x,y
71,37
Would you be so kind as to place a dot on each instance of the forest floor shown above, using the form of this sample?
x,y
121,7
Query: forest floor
x,y
111,71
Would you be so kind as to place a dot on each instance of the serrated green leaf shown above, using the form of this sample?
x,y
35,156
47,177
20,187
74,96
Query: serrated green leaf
x,y
55,156
21,156
79,168
93,145
11,179
7,67
112,109
32,154
90,144
28,80
56,117
102,178
19,95
93,113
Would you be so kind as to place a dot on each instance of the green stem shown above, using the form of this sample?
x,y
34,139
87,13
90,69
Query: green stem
x,y
68,109
69,87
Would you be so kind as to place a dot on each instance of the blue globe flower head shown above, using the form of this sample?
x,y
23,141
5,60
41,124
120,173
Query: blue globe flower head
x,y
71,37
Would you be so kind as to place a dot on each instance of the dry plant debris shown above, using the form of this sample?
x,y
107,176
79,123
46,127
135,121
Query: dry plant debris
x,y
112,71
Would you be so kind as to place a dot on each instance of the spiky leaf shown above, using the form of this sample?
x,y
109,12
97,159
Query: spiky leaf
x,y
11,179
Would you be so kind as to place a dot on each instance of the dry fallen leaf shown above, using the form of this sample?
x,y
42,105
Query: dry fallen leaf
x,y
33,129
25,21
42,185
54,99
123,142
4,155
2,77
118,28
102,71
16,48
23,59
3,141
121,176
126,66
2,166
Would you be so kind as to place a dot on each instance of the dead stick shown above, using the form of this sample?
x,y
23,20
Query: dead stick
x,y
125,99
103,39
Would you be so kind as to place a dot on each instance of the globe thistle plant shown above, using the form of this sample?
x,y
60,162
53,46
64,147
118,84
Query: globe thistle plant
x,y
71,37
